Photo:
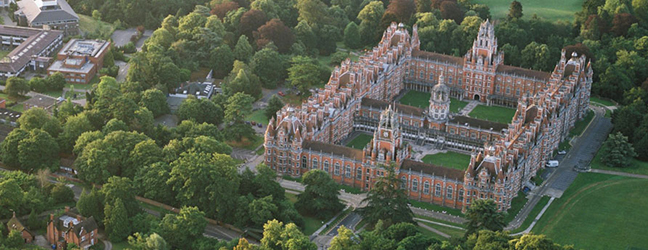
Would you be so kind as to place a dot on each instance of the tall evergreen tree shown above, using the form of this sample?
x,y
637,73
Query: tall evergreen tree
x,y
483,214
243,50
116,221
91,204
515,10
274,104
387,201
617,151
352,36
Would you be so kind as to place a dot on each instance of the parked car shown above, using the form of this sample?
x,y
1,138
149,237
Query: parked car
x,y
562,152
248,123
259,125
253,123
280,93
552,164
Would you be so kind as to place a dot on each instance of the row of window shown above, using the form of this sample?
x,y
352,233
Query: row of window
x,y
336,168
426,188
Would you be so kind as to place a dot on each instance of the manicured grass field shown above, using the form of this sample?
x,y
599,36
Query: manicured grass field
x,y
360,141
448,159
637,167
516,205
416,99
493,113
456,105
599,211
258,117
580,126
602,101
453,232
247,143
88,25
548,9
534,212
434,207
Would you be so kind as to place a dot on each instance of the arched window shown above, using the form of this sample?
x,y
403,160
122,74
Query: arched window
x,y
461,194
414,185
437,190
304,161
359,173
315,166
426,187
336,170
403,182
347,171
326,166
449,192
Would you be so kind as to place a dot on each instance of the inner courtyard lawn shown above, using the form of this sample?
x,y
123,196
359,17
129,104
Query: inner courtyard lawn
x,y
360,141
493,113
422,100
448,159
599,211
551,10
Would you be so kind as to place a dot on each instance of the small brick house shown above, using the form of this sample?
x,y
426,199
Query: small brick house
x,y
14,224
71,228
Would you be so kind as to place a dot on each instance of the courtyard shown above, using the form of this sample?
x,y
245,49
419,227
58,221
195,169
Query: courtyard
x,y
493,113
422,100
360,141
448,159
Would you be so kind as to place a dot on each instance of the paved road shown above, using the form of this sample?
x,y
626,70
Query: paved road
x,y
349,222
583,151
107,245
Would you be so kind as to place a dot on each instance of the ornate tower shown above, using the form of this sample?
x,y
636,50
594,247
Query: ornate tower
x,y
439,101
484,49
387,143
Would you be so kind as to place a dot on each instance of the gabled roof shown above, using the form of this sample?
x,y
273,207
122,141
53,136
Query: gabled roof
x,y
333,149
35,15
431,169
14,224
88,225
437,57
400,108
523,72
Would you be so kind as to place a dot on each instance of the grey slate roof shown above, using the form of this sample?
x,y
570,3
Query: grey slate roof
x,y
40,17
36,42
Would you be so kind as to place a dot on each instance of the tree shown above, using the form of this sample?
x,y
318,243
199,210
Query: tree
x,y
222,59
38,84
182,229
14,240
617,152
641,9
329,35
91,204
238,107
144,154
451,10
515,10
305,34
276,236
16,87
11,197
9,147
243,50
155,101
200,111
62,193
153,242
274,104
423,6
621,23
312,12
223,8
121,188
207,181
150,182
73,128
403,9
33,223
370,17
321,195
276,32
38,118
352,36
56,81
303,74
343,240
483,214
387,201
269,66
116,221
39,150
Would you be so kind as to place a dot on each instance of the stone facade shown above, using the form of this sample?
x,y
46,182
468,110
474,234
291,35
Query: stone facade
x,y
359,96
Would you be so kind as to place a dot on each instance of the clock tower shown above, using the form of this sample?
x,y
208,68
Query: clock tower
x,y
387,143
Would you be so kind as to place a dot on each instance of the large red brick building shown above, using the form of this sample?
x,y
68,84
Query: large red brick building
x,y
359,96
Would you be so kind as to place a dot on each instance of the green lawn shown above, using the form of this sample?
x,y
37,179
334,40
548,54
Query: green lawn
x,y
121,245
249,144
549,9
601,101
449,159
311,224
580,126
493,113
416,99
456,105
258,117
599,211
453,232
98,29
441,221
360,141
637,167
18,107
260,151
4,53
349,189
534,212
434,207
516,205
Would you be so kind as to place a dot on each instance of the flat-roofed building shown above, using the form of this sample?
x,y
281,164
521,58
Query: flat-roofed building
x,y
48,14
30,49
80,60
41,101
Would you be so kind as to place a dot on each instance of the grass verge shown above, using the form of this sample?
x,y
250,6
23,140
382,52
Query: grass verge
x,y
434,207
534,213
516,205
580,126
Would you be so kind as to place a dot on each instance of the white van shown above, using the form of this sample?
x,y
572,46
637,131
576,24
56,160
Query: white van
x,y
552,164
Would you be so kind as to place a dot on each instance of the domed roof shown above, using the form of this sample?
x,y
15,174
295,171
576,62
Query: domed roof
x,y
440,86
